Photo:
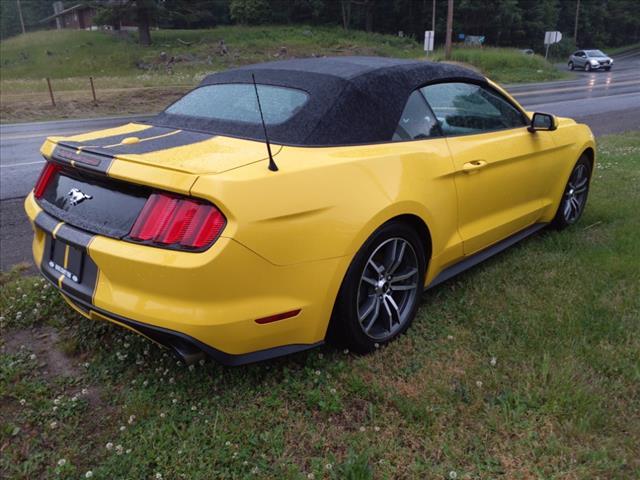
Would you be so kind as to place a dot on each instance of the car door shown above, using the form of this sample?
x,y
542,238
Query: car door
x,y
581,58
501,169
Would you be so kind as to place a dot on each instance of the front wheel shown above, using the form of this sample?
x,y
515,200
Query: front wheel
x,y
587,67
575,195
379,295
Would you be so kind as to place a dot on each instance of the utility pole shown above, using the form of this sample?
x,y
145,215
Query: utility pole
x,y
433,17
447,45
575,27
20,16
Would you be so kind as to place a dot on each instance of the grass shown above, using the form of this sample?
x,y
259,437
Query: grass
x,y
525,367
623,49
118,63
506,65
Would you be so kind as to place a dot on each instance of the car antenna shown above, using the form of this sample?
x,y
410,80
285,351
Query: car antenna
x,y
272,164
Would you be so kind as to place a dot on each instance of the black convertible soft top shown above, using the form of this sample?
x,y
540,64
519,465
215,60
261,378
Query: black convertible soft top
x,y
352,100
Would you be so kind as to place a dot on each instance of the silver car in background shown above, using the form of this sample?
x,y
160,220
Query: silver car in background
x,y
590,60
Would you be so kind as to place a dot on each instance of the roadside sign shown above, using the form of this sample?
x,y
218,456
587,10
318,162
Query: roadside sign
x,y
552,37
428,40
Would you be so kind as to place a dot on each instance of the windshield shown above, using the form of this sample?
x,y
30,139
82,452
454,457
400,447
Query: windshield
x,y
237,102
595,53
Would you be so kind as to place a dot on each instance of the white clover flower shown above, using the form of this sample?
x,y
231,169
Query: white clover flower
x,y
62,462
175,400
201,362
85,391
453,475
192,367
128,451
449,337
362,429
479,384
255,470
172,380
109,446
311,476
32,356
54,408
376,428
145,383
23,401
345,351
227,443
317,372
162,415
158,475
56,401
119,449
53,424
89,474
328,466
333,390
235,454
74,399
132,418
122,428
493,361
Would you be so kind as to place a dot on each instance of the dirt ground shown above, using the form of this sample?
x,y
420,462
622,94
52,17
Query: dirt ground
x,y
26,107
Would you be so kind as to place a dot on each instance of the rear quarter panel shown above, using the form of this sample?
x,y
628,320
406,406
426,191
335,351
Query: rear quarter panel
x,y
325,202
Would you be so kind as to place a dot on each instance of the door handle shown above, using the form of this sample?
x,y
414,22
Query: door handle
x,y
474,166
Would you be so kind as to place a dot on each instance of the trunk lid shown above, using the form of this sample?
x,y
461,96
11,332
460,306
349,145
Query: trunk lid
x,y
186,151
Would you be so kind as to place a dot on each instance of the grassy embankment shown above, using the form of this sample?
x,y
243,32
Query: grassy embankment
x,y
525,367
134,79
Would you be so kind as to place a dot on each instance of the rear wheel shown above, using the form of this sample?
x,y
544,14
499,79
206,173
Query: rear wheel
x,y
570,65
379,296
607,69
575,195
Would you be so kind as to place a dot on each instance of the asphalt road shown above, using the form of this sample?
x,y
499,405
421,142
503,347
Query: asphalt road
x,y
609,102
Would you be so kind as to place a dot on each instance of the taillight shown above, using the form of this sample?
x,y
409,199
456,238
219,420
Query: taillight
x,y
47,173
169,221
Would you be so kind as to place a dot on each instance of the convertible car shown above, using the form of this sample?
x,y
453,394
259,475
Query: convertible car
x,y
280,204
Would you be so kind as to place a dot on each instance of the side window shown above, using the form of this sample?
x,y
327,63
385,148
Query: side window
x,y
464,108
416,121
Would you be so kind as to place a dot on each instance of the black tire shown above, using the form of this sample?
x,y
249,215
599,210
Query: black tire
x,y
587,67
570,65
606,69
574,197
364,333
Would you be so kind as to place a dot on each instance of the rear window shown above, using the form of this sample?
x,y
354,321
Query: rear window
x,y
237,102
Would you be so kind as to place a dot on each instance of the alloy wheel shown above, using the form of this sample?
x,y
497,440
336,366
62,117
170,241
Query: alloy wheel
x,y
388,289
575,195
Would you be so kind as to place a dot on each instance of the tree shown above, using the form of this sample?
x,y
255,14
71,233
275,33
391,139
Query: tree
x,y
142,11
250,12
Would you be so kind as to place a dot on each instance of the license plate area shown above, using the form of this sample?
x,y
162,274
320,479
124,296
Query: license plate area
x,y
66,260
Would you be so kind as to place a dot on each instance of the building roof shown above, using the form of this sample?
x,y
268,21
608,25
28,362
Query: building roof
x,y
352,100
61,13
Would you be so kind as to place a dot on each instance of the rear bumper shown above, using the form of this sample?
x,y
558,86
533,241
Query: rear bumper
x,y
195,302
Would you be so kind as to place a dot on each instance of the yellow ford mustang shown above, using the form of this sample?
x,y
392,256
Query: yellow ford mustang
x,y
378,178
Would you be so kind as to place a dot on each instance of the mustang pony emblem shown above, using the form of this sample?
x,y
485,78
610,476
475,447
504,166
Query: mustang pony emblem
x,y
77,196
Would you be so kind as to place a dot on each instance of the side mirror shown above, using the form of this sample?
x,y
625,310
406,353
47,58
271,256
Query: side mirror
x,y
543,121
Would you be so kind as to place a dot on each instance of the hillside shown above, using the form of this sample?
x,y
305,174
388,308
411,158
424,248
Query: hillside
x,y
179,58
